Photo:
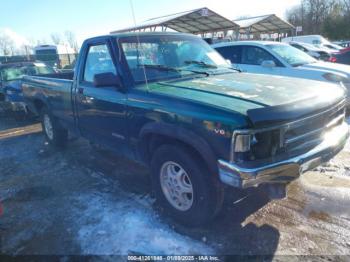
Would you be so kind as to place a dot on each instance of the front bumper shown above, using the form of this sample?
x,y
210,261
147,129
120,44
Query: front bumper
x,y
286,170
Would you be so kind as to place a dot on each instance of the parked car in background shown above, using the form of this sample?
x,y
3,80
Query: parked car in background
x,y
316,40
281,59
315,52
347,49
344,44
342,57
334,47
57,56
182,110
11,81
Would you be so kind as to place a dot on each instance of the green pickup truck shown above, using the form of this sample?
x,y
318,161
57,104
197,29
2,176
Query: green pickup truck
x,y
170,101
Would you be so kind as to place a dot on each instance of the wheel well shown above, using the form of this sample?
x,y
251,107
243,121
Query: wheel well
x,y
151,142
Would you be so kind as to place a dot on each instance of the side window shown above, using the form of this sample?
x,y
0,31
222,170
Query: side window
x,y
253,55
233,53
98,61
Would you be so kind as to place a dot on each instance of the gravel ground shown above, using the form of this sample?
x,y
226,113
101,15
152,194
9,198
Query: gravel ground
x,y
86,201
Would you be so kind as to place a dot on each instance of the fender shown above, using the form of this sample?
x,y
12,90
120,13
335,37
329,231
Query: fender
x,y
184,135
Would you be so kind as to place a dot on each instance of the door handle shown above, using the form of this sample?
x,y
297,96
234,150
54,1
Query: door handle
x,y
80,90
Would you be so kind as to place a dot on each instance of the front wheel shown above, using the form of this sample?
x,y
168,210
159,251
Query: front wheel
x,y
54,133
183,187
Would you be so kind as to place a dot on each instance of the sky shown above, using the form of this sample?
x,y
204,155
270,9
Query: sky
x,y
37,19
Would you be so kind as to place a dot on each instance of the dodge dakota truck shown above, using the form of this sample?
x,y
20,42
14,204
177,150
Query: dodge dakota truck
x,y
172,102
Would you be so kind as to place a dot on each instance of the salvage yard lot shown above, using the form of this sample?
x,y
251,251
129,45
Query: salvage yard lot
x,y
84,200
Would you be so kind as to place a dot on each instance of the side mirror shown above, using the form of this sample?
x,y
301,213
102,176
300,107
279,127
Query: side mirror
x,y
107,79
268,64
228,61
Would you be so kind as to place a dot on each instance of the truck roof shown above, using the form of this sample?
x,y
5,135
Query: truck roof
x,y
131,34
254,43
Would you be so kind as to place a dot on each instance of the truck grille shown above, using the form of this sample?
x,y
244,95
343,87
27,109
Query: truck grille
x,y
308,132
297,137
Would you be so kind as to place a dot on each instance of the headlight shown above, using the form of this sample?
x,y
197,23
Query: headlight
x,y
242,143
336,78
10,92
255,145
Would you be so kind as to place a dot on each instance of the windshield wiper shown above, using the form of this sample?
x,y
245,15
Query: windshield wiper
x,y
168,68
201,63
160,67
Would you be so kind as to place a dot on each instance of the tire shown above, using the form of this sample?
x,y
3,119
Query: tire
x,y
207,196
55,134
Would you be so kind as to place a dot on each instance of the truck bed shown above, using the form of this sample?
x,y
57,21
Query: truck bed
x,y
54,90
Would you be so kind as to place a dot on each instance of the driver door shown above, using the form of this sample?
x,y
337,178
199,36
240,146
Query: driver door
x,y
101,110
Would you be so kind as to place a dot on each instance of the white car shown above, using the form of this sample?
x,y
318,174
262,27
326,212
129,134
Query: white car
x,y
315,52
274,58
316,40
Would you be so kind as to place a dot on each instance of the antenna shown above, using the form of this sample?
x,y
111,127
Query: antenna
x,y
138,39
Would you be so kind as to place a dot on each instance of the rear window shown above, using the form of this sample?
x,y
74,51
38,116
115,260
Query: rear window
x,y
17,72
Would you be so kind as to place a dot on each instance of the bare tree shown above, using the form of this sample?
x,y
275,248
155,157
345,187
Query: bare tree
x,y
72,41
7,45
319,16
25,49
32,42
56,38
346,11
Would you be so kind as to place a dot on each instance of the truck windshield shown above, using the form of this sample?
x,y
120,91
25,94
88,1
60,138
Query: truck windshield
x,y
171,56
292,55
13,73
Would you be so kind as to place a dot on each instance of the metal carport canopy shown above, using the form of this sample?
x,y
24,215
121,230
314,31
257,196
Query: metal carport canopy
x,y
263,24
197,21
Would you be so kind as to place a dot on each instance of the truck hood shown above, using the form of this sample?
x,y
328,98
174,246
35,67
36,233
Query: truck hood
x,y
250,94
329,67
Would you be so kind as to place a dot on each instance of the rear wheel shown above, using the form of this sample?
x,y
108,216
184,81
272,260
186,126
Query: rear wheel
x,y
183,186
54,133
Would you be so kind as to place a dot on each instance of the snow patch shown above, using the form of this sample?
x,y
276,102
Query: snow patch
x,y
126,226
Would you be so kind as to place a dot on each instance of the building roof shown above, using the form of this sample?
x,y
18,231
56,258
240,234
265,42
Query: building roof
x,y
263,24
197,21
